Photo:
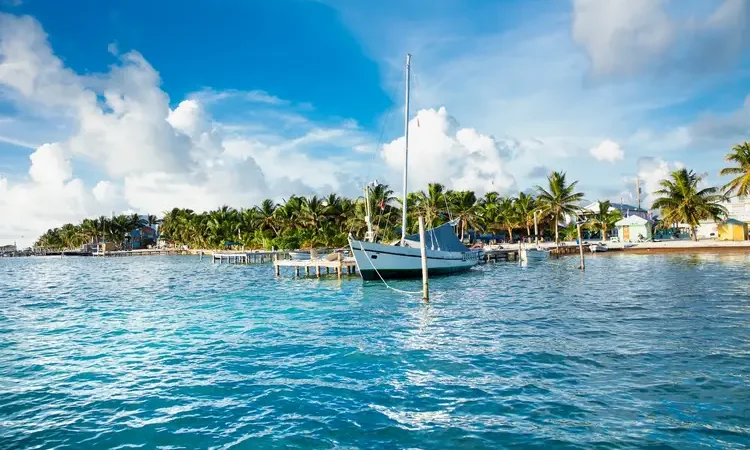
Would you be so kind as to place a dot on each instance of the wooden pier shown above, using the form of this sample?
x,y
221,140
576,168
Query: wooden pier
x,y
142,252
339,266
249,257
504,254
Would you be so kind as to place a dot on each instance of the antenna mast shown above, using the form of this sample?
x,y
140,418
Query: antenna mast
x,y
638,191
406,150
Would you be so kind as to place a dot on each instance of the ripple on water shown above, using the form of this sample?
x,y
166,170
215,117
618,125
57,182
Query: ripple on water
x,y
172,352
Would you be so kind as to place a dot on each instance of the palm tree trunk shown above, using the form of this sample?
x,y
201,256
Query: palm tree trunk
x,y
557,235
604,234
528,232
510,234
693,234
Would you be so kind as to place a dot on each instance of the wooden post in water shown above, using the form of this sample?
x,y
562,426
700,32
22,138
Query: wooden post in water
x,y
425,285
580,246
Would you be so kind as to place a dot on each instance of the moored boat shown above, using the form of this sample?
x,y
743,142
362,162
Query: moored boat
x,y
534,254
445,253
598,248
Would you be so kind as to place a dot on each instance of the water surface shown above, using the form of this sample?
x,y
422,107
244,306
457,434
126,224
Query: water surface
x,y
173,352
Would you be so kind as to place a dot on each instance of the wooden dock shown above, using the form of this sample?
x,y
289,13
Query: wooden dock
x,y
339,266
142,252
504,254
249,257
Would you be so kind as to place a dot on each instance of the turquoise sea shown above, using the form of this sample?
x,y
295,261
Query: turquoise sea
x,y
173,352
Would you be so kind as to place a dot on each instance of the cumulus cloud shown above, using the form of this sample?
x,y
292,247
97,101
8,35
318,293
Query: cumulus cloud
x,y
49,165
441,151
627,36
155,157
650,172
538,172
621,35
607,150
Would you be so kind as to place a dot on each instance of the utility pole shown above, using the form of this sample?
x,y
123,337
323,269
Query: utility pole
x,y
425,285
638,191
580,245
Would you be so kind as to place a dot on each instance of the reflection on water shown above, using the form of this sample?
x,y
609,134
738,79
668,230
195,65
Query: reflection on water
x,y
636,351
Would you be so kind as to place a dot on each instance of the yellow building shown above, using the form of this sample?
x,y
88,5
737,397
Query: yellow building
x,y
733,230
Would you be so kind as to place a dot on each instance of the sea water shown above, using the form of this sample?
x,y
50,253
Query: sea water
x,y
175,352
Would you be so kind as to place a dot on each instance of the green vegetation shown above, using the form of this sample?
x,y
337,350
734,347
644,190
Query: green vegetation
x,y
115,229
683,201
604,219
740,185
558,199
307,222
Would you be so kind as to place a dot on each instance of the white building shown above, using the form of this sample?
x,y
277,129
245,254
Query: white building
x,y
739,208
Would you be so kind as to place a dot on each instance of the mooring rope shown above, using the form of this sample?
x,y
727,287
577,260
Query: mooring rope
x,y
381,277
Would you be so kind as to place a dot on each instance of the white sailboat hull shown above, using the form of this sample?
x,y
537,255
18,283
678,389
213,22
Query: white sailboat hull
x,y
388,261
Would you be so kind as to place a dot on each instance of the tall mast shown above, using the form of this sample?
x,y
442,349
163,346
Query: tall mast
x,y
406,148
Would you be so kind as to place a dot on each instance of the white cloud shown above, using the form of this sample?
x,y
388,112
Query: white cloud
x,y
107,193
621,35
627,36
607,151
441,151
156,158
49,165
255,96
650,172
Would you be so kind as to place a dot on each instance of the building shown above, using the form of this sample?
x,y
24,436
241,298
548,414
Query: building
x,y
739,209
633,228
625,209
733,230
8,249
142,237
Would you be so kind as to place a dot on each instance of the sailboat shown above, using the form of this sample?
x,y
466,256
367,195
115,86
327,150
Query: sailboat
x,y
445,253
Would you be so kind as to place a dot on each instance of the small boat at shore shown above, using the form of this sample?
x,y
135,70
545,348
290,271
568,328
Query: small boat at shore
x,y
598,248
534,254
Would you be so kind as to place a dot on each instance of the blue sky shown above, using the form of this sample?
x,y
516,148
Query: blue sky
x,y
141,106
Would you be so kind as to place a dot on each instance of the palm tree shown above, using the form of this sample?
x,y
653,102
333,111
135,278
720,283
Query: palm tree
x,y
120,227
682,201
508,217
313,212
431,203
570,232
525,207
558,200
265,215
152,220
740,185
604,219
464,206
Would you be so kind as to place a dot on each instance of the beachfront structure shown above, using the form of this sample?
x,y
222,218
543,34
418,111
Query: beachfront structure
x,y
733,230
630,228
738,208
142,237
706,229
625,209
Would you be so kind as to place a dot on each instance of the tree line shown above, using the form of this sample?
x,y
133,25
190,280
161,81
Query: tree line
x,y
307,222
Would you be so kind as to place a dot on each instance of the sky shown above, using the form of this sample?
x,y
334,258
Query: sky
x,y
111,107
